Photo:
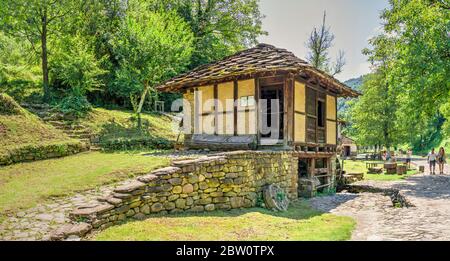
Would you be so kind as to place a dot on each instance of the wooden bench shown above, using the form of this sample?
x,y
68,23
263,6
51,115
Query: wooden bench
x,y
373,164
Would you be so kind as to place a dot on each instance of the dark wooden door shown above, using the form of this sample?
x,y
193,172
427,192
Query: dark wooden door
x,y
272,94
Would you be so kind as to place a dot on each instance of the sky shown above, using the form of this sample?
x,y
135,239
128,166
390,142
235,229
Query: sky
x,y
353,22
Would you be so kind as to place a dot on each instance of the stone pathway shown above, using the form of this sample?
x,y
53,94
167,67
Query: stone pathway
x,y
377,219
38,222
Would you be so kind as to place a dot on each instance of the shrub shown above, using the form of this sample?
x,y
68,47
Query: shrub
x,y
75,105
135,143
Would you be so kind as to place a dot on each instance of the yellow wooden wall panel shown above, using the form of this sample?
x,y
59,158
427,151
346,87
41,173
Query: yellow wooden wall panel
x,y
299,102
225,97
246,121
188,109
331,107
207,99
331,132
225,124
300,131
208,124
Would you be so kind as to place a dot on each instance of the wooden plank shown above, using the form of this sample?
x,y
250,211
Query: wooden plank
x,y
290,110
216,105
235,116
271,80
258,112
285,113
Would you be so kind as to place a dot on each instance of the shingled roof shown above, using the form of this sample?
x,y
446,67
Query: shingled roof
x,y
260,60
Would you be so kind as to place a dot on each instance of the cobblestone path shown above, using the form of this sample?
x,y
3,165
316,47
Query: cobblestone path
x,y
377,219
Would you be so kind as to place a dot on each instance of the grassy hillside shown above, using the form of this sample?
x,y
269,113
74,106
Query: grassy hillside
x,y
101,120
18,127
24,136
117,129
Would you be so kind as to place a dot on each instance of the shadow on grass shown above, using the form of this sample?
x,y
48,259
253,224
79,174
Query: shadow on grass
x,y
298,210
115,136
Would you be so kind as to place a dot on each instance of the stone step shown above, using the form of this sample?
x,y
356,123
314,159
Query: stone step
x,y
80,136
95,148
77,132
57,123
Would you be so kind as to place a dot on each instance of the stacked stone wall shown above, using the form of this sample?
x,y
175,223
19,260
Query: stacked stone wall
x,y
218,182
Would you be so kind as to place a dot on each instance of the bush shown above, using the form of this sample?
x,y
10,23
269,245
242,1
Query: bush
x,y
31,152
75,105
136,143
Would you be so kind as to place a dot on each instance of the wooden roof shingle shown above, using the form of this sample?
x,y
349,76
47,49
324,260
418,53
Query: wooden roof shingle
x,y
260,60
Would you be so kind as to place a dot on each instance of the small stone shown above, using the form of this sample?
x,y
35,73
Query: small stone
x,y
135,185
173,197
169,205
175,181
45,217
209,207
180,203
188,188
145,209
177,189
157,207
140,216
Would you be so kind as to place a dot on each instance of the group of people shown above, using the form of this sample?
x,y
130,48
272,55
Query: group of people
x,y
439,158
432,157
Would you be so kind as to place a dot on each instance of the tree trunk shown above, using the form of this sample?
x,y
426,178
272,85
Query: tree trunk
x,y
44,58
141,104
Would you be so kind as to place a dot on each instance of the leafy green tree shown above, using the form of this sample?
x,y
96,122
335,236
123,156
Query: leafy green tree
x,y
220,27
419,66
19,72
75,71
75,66
35,21
149,48
373,114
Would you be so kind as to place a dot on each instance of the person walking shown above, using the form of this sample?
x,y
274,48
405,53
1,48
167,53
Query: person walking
x,y
408,158
440,159
432,161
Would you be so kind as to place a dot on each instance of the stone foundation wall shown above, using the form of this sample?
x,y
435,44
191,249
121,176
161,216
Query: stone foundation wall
x,y
218,182
41,151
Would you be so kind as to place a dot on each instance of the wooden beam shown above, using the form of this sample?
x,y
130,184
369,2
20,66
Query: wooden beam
x,y
235,98
258,111
216,104
290,109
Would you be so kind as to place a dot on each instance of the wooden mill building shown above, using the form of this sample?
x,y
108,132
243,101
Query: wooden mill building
x,y
224,109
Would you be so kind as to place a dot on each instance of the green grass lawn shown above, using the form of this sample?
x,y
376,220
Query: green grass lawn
x,y
300,222
24,185
354,166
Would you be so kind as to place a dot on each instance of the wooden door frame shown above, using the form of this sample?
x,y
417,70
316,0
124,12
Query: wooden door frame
x,y
262,82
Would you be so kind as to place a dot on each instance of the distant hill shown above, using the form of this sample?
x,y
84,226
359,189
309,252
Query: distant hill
x,y
355,83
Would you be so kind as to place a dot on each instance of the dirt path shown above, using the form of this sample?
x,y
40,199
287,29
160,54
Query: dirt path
x,y
377,219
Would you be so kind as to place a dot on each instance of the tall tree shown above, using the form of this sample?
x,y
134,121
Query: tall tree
x,y
35,21
420,68
319,43
220,27
149,47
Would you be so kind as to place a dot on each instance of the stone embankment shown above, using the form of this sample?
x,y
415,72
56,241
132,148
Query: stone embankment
x,y
217,182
